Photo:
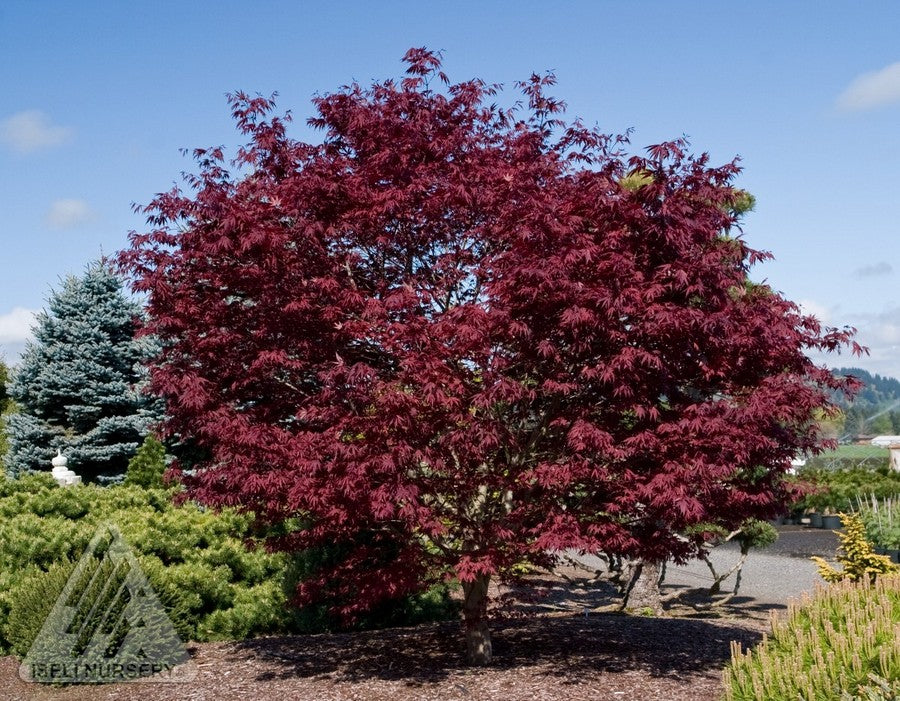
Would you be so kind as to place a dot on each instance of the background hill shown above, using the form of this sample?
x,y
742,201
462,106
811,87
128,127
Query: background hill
x,y
875,410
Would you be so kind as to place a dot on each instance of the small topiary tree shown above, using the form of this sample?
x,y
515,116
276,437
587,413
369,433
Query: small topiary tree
x,y
147,466
859,559
753,533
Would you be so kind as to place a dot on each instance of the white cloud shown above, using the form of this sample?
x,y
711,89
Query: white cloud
x,y
884,329
871,90
874,270
69,214
32,130
15,330
880,333
820,311
15,326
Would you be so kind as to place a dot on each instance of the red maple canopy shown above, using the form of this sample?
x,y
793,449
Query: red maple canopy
x,y
453,338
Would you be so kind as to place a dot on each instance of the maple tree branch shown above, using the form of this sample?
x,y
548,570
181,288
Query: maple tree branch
x,y
350,274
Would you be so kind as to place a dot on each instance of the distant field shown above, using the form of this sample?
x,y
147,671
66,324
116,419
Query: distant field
x,y
856,451
847,456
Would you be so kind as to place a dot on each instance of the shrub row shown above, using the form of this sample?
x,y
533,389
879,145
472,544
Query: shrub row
x,y
841,490
882,521
849,462
213,586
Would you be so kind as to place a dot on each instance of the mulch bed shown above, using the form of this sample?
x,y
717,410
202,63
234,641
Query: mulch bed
x,y
548,657
545,649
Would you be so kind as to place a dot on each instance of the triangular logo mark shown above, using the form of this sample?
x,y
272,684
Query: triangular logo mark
x,y
107,625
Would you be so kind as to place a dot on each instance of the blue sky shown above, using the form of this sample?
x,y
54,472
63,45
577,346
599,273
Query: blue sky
x,y
98,98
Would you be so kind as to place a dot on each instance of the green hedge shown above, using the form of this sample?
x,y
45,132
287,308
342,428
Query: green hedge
x,y
841,490
211,584
195,559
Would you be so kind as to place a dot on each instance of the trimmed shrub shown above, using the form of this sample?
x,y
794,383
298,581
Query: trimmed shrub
x,y
253,611
147,466
32,599
826,647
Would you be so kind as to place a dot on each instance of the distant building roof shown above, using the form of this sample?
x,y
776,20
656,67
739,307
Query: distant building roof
x,y
885,441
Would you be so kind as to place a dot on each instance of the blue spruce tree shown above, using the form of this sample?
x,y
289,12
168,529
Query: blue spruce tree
x,y
5,406
78,384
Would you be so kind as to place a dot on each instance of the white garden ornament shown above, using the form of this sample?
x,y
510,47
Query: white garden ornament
x,y
63,475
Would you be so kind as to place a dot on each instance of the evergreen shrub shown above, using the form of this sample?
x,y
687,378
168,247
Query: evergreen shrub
x,y
196,560
856,556
213,586
147,466
33,597
841,643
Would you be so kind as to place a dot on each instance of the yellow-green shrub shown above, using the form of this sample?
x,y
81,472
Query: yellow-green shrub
x,y
212,586
857,558
195,559
826,646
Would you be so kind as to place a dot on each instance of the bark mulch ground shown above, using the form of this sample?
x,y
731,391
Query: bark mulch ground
x,y
544,657
544,649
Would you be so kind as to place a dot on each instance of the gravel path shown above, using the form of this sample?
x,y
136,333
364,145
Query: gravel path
x,y
771,577
770,580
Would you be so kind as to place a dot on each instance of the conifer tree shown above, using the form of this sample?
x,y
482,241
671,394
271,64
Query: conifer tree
x,y
77,385
147,466
6,405
4,382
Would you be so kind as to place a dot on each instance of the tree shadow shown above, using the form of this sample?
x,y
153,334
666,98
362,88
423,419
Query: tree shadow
x,y
571,648
698,603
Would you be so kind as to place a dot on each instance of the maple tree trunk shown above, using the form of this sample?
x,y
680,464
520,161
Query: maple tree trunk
x,y
478,635
642,594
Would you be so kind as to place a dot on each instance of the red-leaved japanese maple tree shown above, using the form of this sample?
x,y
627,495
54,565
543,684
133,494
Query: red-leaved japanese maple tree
x,y
453,338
